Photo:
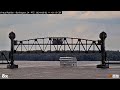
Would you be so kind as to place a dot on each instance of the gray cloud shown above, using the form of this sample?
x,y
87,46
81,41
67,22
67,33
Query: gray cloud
x,y
72,24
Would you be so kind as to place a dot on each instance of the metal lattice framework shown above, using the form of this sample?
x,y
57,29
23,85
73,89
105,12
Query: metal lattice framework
x,y
6,59
58,44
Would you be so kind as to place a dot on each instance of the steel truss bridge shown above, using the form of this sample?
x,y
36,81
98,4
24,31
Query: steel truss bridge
x,y
59,44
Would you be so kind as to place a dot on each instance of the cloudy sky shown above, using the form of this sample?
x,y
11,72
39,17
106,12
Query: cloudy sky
x,y
81,24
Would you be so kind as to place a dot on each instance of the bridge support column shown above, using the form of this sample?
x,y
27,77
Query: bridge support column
x,y
103,64
12,65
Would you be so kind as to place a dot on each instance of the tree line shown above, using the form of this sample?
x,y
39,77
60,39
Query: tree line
x,y
54,56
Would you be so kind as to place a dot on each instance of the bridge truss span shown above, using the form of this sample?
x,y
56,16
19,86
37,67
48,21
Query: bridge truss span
x,y
58,44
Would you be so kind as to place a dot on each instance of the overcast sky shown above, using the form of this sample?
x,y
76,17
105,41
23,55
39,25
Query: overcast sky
x,y
81,24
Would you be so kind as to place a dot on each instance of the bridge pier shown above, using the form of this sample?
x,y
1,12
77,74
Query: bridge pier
x,y
12,65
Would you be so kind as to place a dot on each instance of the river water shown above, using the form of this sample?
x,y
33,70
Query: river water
x,y
52,63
